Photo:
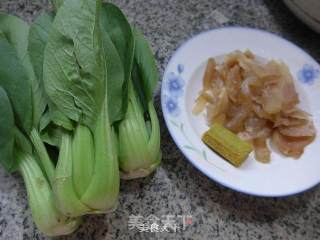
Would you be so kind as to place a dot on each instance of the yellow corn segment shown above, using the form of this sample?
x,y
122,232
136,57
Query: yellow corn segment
x,y
227,144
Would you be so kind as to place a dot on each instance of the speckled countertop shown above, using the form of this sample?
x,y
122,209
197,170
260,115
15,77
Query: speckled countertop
x,y
177,188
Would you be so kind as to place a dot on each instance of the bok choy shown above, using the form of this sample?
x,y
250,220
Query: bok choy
x,y
75,78
139,130
21,105
76,104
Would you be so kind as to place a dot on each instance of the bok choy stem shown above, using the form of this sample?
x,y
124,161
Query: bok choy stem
x,y
66,198
44,158
102,193
139,146
45,214
82,159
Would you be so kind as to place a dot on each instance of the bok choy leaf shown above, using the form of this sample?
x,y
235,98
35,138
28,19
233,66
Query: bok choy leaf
x,y
116,26
138,131
6,132
21,107
75,79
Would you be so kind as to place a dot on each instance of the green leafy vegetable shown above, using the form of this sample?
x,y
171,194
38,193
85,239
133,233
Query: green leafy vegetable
x,y
75,78
52,135
76,92
114,22
38,37
141,118
22,104
41,200
74,67
58,118
45,162
16,32
115,80
6,132
139,140
82,152
102,193
139,137
65,195
22,142
14,80
145,74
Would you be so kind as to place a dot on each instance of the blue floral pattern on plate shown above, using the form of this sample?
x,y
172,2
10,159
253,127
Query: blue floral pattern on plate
x,y
171,105
174,85
308,74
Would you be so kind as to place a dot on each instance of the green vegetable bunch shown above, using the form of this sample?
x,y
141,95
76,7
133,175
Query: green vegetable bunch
x,y
76,92
22,103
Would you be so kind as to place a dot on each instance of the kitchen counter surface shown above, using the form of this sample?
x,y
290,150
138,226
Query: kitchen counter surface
x,y
177,188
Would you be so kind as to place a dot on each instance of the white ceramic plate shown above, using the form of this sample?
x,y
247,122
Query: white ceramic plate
x,y
182,81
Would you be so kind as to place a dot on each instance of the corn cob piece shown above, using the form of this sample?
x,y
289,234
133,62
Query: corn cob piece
x,y
227,144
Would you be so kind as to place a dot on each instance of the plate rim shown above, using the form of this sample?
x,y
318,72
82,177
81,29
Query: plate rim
x,y
211,177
